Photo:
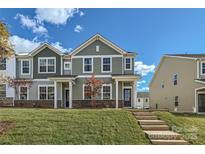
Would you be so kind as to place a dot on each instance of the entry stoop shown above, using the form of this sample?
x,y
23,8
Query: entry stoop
x,y
157,130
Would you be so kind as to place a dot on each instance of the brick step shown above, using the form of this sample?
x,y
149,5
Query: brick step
x,y
163,135
155,127
143,113
169,142
146,117
151,122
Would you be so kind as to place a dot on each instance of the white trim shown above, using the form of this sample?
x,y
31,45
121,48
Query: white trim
x,y
62,65
20,92
181,57
32,68
70,94
84,65
97,48
203,82
67,62
39,58
41,80
201,70
97,76
102,64
43,46
103,85
96,56
197,71
130,63
45,85
55,95
22,67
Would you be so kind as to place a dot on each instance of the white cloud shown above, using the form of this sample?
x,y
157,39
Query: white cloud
x,y
32,24
78,28
55,16
81,13
143,69
140,82
25,45
59,46
144,89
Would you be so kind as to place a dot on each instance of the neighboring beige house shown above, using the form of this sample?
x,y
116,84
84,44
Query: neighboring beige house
x,y
142,100
179,83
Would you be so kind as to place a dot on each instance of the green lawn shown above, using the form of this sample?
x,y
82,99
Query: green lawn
x,y
64,126
192,127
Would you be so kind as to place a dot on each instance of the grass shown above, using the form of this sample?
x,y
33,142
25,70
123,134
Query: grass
x,y
64,126
192,127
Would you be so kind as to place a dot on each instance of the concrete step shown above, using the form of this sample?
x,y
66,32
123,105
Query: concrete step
x,y
155,127
146,117
169,142
163,135
151,122
143,113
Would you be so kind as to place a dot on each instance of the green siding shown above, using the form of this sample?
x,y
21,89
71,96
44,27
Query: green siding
x,y
46,53
77,66
104,50
78,88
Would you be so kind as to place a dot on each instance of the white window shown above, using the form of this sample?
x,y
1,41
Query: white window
x,y
46,92
175,79
128,63
106,91
3,64
202,68
25,67
47,65
97,48
23,93
106,64
67,65
86,92
87,65
2,90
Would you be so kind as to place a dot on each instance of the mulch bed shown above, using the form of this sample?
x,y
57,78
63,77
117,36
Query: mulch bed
x,y
5,125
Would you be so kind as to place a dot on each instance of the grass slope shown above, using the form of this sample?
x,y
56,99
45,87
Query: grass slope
x,y
192,127
84,126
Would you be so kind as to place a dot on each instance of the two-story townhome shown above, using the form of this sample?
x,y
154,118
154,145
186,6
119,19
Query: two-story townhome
x,y
179,83
59,79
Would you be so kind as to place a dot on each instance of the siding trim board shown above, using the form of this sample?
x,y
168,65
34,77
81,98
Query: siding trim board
x,y
97,56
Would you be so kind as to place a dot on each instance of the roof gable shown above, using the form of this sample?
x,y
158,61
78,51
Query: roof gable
x,y
43,46
93,39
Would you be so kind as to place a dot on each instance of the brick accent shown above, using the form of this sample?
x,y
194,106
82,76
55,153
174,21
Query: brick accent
x,y
99,103
6,102
35,103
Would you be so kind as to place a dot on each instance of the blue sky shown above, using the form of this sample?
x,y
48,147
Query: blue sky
x,y
149,32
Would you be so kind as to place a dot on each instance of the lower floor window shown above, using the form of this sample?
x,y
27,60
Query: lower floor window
x,y
23,93
46,93
2,90
87,92
106,91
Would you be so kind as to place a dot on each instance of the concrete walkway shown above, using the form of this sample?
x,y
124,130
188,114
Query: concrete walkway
x,y
157,130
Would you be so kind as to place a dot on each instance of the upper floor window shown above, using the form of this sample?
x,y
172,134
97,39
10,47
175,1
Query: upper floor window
x,y
67,65
106,64
86,92
3,64
128,63
25,65
87,65
175,79
2,90
23,93
47,65
46,92
97,48
107,91
203,68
